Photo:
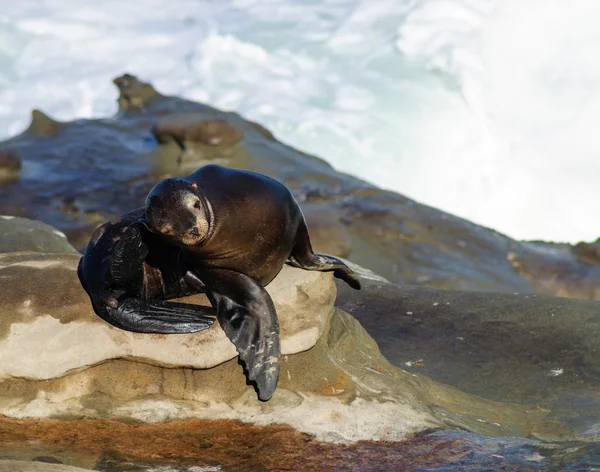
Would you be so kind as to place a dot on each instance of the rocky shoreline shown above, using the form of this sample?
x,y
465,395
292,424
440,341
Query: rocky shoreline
x,y
334,383
382,378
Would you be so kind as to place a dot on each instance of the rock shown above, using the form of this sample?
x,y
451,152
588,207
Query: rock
x,y
327,233
191,129
10,167
23,234
43,125
76,364
116,162
588,253
558,269
134,94
13,447
525,349
212,446
322,392
43,296
22,466
199,139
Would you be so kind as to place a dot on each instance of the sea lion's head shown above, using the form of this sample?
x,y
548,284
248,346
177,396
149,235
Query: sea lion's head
x,y
176,210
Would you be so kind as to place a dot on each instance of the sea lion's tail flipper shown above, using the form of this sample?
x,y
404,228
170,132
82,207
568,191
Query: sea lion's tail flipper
x,y
247,315
304,257
156,316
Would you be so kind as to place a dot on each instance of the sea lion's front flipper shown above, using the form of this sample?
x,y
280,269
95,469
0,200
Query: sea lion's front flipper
x,y
303,256
156,316
247,315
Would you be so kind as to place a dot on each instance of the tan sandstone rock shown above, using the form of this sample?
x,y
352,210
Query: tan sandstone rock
x,y
22,234
341,390
44,310
23,466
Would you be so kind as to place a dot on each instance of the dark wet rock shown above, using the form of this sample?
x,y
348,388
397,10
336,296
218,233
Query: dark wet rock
x,y
116,162
134,94
43,125
76,179
558,269
69,206
22,234
528,349
328,234
10,167
588,253
9,209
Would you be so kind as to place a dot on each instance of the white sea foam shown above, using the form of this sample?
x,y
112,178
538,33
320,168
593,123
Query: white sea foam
x,y
484,108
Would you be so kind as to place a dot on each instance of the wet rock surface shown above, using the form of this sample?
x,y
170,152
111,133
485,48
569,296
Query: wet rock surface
x,y
10,167
528,349
116,162
327,233
211,446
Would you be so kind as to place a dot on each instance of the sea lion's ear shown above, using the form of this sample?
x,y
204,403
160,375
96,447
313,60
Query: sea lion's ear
x,y
152,204
194,189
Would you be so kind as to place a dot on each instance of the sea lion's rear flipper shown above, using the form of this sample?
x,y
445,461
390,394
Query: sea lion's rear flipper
x,y
156,316
303,256
128,256
143,315
247,315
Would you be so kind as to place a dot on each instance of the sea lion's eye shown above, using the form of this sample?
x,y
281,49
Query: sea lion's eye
x,y
197,204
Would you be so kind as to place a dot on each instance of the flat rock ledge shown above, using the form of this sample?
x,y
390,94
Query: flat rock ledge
x,y
59,360
48,327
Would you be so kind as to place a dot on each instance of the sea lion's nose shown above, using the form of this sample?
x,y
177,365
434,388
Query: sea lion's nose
x,y
195,231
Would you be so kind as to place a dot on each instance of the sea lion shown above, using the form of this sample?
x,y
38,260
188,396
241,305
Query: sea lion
x,y
221,231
